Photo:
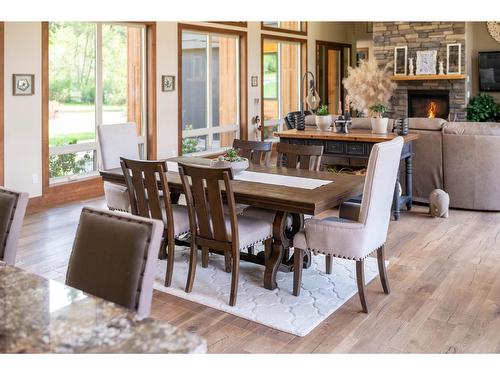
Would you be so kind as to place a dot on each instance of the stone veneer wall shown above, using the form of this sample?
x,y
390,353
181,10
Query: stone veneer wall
x,y
421,36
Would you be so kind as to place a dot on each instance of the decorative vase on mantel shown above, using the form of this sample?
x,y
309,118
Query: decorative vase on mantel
x,y
411,68
441,68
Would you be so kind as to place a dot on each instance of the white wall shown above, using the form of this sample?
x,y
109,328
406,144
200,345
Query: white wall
x,y
23,114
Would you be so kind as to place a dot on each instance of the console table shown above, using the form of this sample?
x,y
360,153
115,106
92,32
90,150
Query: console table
x,y
357,144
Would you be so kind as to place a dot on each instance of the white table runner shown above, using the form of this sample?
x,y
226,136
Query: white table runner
x,y
278,179
270,178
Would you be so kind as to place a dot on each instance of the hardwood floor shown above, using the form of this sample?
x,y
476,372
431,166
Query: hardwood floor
x,y
445,291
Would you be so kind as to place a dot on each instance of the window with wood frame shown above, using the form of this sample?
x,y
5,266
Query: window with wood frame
x,y
282,64
295,27
210,101
96,75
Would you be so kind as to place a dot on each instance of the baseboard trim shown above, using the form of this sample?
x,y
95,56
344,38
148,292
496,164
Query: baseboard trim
x,y
66,193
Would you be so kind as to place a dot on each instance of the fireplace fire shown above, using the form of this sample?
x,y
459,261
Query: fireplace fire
x,y
432,109
428,103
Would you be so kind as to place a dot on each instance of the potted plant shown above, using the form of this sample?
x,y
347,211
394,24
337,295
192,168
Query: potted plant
x,y
231,159
379,123
323,118
483,108
370,87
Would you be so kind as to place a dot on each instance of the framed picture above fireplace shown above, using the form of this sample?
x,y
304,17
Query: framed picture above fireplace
x,y
426,62
400,57
454,58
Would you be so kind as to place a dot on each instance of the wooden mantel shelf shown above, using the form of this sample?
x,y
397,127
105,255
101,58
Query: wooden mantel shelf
x,y
428,77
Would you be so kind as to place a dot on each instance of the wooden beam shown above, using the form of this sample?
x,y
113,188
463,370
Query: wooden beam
x,y
45,108
151,89
428,77
302,31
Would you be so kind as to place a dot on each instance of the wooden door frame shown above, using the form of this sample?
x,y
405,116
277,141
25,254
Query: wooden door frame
x,y
338,47
303,68
91,187
243,79
2,57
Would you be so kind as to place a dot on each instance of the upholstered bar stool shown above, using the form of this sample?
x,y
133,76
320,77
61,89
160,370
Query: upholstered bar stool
x,y
357,237
115,141
12,209
114,256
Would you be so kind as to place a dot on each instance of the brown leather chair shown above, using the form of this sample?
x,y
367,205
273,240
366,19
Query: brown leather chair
x,y
12,209
113,257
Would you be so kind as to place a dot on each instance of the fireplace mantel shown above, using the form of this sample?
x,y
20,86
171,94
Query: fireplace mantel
x,y
428,77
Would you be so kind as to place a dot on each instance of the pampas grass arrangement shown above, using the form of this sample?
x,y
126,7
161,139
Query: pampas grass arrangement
x,y
368,86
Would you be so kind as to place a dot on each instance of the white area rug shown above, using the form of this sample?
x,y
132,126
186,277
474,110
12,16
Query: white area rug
x,y
320,296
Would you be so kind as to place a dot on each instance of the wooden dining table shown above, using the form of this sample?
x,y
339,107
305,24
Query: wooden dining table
x,y
284,200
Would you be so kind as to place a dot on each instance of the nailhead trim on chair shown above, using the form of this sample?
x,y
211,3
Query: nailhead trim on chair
x,y
344,257
255,242
145,252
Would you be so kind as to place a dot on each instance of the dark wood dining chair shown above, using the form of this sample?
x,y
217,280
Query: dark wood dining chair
x,y
214,230
299,156
290,156
149,194
113,257
256,152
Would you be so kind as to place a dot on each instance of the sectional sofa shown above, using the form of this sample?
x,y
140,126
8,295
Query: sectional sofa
x,y
462,158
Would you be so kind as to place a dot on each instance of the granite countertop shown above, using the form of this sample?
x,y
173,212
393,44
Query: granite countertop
x,y
43,316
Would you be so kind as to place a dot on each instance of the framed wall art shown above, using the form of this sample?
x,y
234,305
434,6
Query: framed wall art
x,y
361,54
167,83
454,58
426,62
23,84
400,57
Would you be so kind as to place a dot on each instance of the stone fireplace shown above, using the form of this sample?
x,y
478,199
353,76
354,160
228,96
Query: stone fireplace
x,y
429,103
422,36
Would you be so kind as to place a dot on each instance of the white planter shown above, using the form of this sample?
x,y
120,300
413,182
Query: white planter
x,y
323,122
379,125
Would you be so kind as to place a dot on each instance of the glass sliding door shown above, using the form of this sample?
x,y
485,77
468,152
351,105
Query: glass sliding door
x,y
96,76
210,91
281,65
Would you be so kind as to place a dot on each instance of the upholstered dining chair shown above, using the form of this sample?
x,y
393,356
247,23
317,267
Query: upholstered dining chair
x,y
356,238
147,199
12,209
113,257
115,141
212,229
257,152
